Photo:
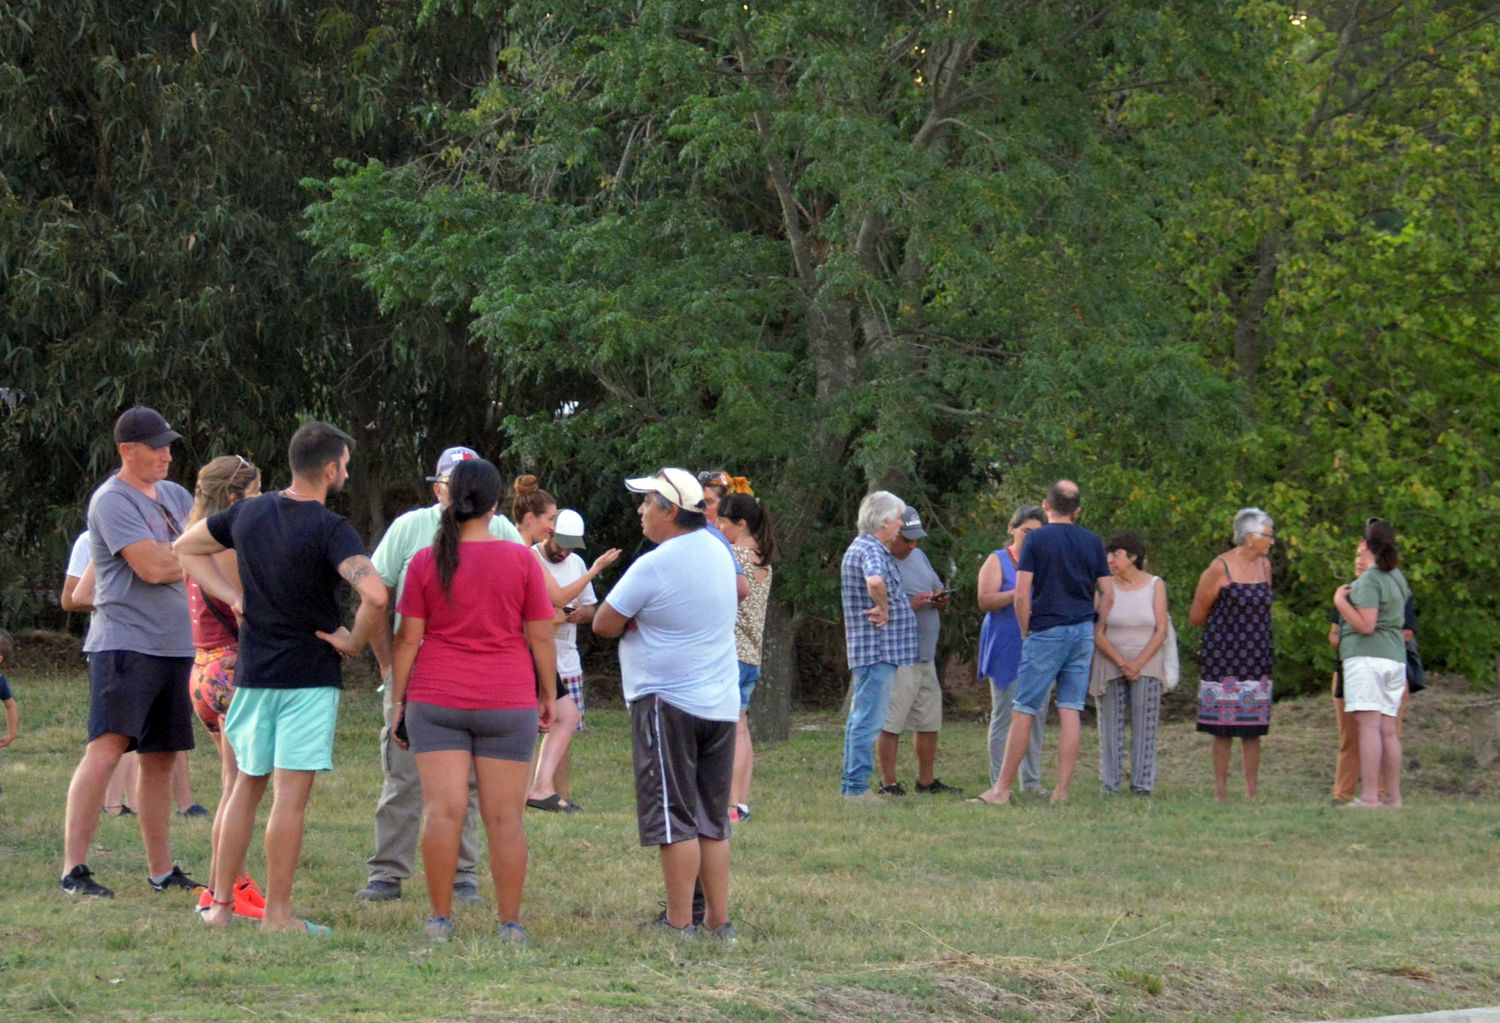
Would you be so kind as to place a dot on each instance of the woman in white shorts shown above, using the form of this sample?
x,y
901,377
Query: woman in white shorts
x,y
1374,659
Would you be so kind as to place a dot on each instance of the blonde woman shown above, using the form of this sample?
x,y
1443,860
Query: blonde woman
x,y
223,482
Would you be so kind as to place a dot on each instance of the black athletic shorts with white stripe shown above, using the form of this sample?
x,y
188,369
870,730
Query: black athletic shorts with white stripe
x,y
683,768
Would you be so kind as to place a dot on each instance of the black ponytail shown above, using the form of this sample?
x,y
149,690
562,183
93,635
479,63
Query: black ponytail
x,y
473,491
1380,539
752,511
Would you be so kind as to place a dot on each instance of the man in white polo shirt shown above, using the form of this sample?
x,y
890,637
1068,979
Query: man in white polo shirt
x,y
675,609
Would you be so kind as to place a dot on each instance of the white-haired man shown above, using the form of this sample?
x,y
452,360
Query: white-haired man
x,y
880,633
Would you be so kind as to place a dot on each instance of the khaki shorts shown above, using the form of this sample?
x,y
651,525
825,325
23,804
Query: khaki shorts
x,y
916,700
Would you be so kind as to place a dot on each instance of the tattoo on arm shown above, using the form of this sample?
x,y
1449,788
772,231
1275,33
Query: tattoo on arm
x,y
355,569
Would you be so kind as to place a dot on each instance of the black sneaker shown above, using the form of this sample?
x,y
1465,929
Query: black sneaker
x,y
80,881
893,789
938,786
196,810
176,879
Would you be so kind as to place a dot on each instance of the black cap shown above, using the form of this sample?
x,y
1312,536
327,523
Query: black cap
x,y
142,425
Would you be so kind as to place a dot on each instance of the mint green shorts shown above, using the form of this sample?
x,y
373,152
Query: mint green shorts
x,y
282,729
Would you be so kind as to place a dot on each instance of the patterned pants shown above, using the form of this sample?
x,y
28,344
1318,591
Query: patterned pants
x,y
1144,697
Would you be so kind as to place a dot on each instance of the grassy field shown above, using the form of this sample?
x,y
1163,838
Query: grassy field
x,y
1124,909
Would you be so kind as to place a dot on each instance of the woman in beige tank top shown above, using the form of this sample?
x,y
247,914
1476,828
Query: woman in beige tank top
x,y
1129,636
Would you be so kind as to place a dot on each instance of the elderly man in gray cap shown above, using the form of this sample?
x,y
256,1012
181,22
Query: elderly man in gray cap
x,y
916,699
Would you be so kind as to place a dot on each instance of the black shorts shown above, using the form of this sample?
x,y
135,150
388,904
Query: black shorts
x,y
143,698
683,768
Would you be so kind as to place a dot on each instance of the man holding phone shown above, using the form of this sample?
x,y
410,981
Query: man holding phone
x,y
916,698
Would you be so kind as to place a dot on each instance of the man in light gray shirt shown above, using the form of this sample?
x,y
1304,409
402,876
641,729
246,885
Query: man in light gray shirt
x,y
916,699
140,648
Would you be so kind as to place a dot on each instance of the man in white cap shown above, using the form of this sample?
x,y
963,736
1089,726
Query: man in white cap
x,y
675,608
916,699
398,815
549,788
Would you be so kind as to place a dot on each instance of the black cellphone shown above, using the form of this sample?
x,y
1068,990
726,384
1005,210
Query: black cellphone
x,y
570,609
401,730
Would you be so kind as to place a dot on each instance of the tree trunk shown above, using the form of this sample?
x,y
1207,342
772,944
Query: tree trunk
x,y
771,710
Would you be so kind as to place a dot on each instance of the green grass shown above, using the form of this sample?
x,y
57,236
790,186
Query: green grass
x,y
1123,909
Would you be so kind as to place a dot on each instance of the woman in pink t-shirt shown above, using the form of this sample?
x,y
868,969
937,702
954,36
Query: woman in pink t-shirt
x,y
475,616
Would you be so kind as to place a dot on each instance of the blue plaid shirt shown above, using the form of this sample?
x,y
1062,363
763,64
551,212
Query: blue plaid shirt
x,y
895,642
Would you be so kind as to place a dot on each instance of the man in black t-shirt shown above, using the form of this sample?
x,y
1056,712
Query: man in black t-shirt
x,y
292,554
1062,566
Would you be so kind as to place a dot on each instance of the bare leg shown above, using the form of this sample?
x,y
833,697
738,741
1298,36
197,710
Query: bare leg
x,y
86,794
680,863
744,761
887,744
563,773
1015,749
1221,749
236,824
502,805
1370,755
1250,754
284,846
1390,760
121,788
154,795
713,871
229,770
554,747
445,798
1069,738
182,791
926,744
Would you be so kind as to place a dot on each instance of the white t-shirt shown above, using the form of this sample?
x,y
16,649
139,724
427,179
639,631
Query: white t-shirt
x,y
564,572
682,597
78,560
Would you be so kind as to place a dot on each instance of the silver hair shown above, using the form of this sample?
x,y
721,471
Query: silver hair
x,y
877,507
1250,520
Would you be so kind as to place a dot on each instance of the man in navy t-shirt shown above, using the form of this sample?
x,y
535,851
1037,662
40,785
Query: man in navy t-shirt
x,y
1062,566
292,554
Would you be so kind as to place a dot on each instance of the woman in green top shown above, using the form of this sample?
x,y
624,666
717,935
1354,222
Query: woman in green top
x,y
1374,659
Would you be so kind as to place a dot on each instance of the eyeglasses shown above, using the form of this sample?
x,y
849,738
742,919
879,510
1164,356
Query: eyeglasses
x,y
172,527
715,478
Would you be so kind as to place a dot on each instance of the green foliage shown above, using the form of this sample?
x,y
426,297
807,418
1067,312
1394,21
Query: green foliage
x,y
1197,257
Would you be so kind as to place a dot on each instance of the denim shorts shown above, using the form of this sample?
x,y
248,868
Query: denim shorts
x,y
749,677
1062,654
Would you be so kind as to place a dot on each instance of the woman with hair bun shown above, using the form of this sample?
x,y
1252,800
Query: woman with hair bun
x,y
1236,656
1373,653
746,523
475,618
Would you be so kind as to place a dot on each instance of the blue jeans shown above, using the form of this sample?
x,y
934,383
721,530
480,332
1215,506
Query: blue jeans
x,y
867,709
1063,654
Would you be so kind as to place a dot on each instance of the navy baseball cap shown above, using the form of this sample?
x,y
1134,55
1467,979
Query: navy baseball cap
x,y
142,425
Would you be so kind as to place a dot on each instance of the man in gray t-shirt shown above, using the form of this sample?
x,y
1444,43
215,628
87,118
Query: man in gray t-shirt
x,y
140,650
916,699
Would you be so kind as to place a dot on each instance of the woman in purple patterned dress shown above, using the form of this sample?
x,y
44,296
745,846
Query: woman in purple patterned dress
x,y
1233,601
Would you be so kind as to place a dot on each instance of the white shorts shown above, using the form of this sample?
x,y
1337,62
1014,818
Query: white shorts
x,y
1374,683
916,700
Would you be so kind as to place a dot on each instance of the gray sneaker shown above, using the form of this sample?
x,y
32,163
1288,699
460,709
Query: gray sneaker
x,y
726,933
467,892
512,933
660,922
379,891
438,928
